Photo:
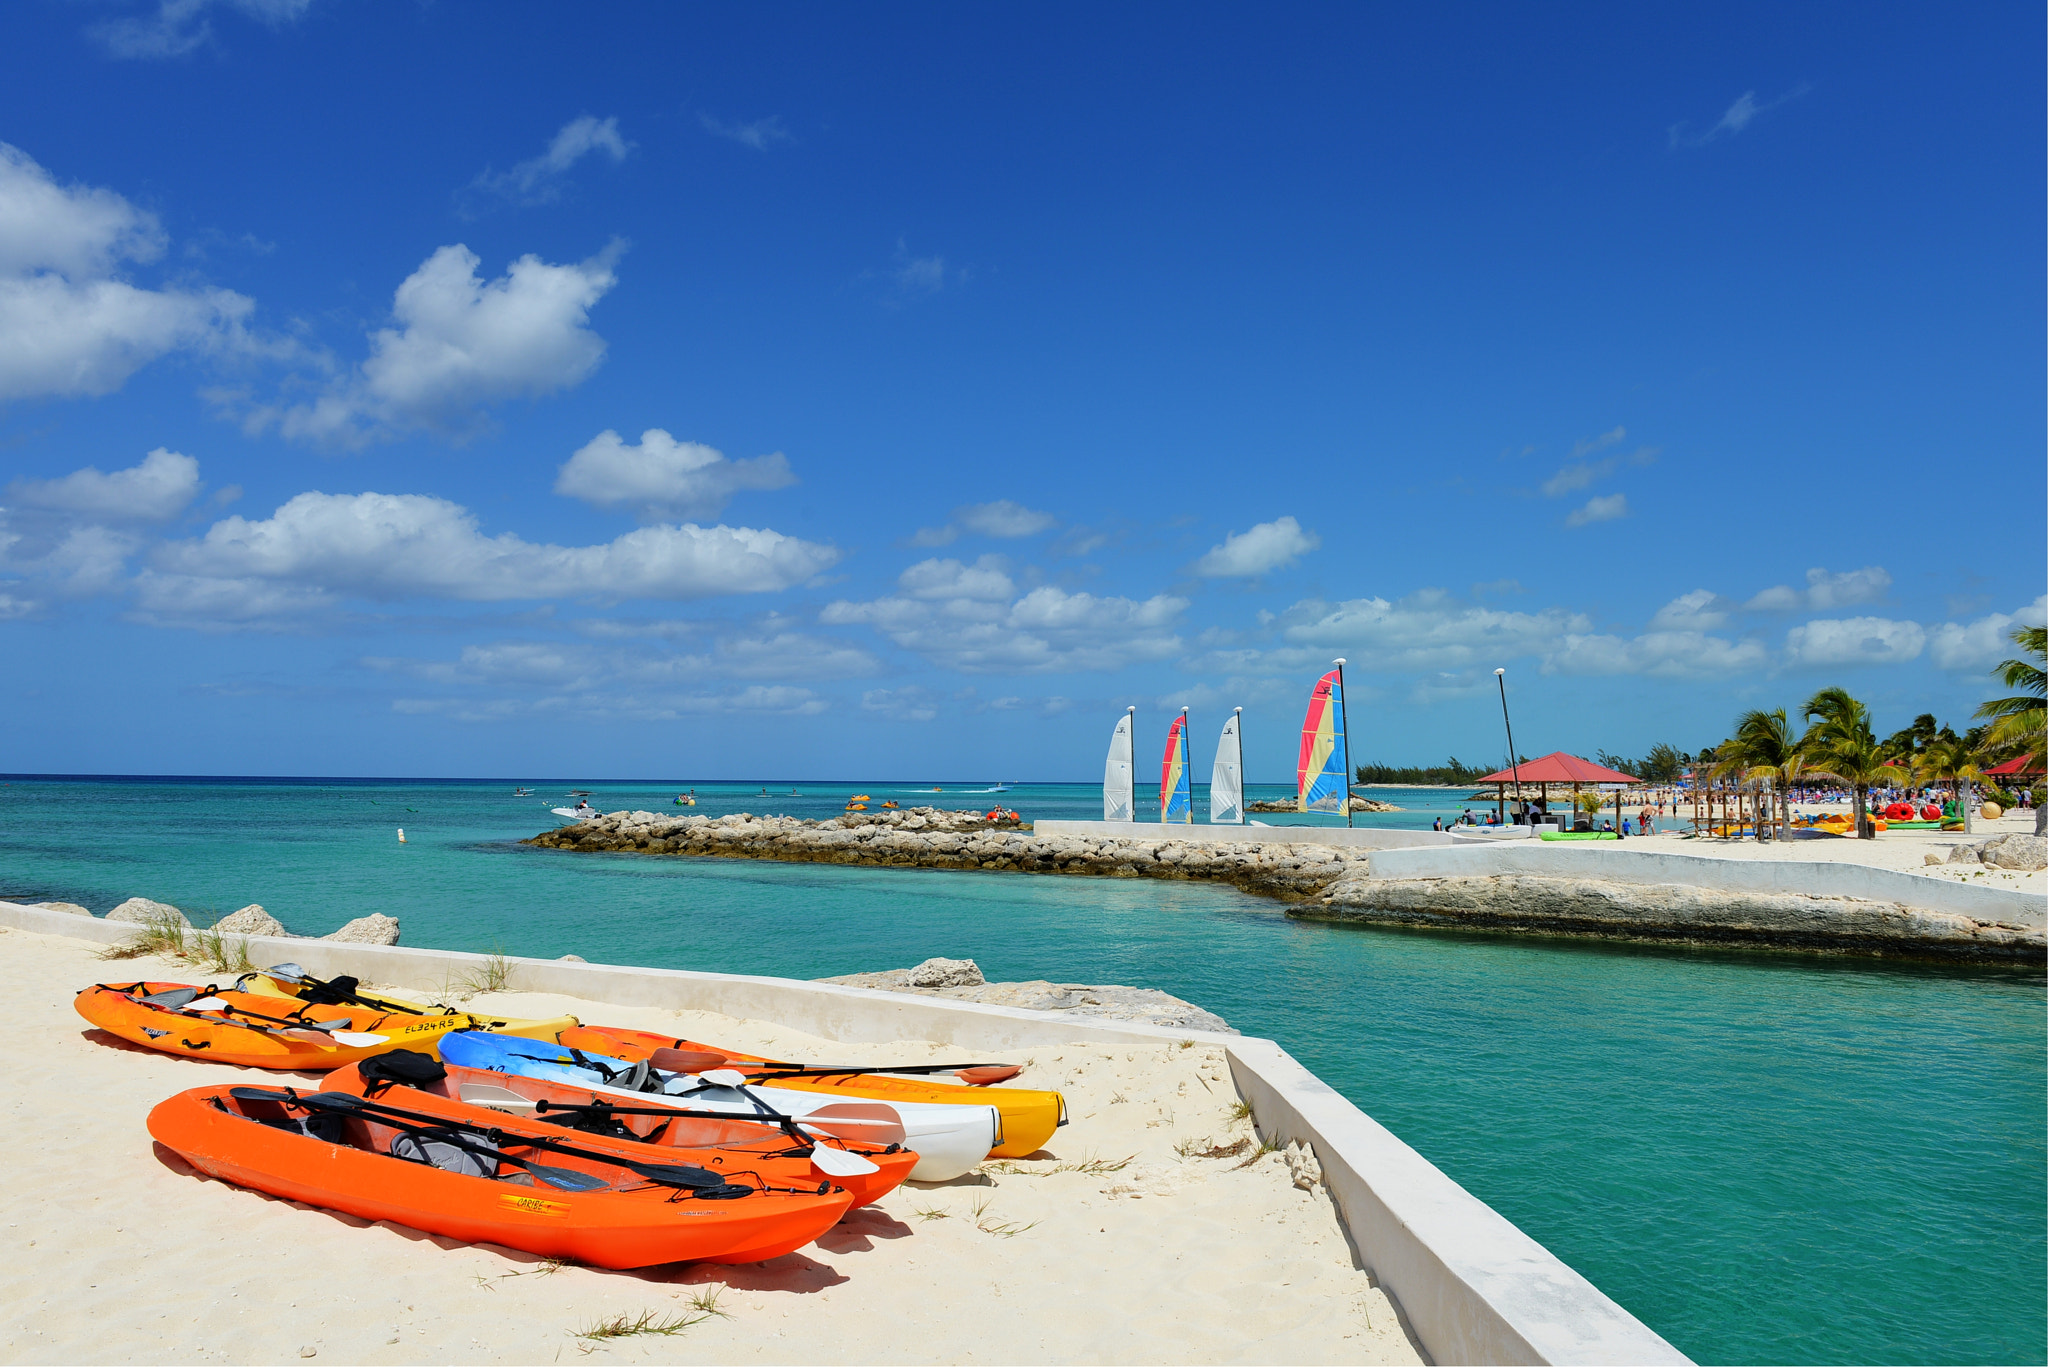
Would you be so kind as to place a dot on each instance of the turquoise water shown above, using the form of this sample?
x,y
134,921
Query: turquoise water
x,y
1766,1158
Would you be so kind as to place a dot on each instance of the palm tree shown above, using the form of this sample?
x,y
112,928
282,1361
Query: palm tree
x,y
1953,761
1764,750
1842,746
2018,722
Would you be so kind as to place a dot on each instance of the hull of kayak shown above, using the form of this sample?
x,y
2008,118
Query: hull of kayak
x,y
263,985
640,1226
949,1140
722,1145
256,1032
1029,1116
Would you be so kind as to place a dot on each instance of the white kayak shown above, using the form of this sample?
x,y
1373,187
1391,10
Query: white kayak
x,y
948,1140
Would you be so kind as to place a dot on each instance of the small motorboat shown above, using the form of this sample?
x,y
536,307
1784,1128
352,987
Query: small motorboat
x,y
582,811
522,792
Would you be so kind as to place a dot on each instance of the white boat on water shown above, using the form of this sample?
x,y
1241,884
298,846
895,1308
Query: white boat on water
x,y
581,811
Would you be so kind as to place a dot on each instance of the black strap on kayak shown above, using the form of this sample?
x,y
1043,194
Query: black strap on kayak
x,y
788,1124
682,1176
436,1131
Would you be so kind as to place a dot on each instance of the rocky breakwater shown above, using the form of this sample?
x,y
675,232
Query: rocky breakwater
x,y
931,838
1686,913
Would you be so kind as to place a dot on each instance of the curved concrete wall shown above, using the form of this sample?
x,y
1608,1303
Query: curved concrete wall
x,y
1616,862
1475,1288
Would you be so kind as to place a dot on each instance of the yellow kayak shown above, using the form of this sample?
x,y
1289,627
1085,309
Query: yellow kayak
x,y
1029,1116
284,980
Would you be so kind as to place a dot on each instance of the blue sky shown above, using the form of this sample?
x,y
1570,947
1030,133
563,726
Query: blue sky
x,y
904,391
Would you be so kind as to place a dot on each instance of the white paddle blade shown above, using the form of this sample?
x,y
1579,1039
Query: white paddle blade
x,y
724,1077
355,1039
484,1094
207,1004
864,1122
839,1163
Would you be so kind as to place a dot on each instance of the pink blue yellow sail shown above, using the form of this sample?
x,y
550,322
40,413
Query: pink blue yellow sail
x,y
1323,771
1176,790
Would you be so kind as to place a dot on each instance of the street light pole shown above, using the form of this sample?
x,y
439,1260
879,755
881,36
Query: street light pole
x,y
1500,676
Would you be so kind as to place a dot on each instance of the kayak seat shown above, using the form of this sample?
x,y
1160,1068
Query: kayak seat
x,y
439,1153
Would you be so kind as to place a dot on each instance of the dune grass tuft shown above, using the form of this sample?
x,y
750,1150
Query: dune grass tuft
x,y
162,934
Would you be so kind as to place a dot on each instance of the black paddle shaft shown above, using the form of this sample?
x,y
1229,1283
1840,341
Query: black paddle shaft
x,y
668,1174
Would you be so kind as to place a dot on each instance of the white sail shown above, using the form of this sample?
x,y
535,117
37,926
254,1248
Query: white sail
x,y
1226,780
1118,770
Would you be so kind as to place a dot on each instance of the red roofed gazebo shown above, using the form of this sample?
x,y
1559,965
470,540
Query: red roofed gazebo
x,y
2026,766
1558,769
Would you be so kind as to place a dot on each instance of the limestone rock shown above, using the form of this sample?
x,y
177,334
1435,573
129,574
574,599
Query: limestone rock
x,y
1964,854
2016,851
68,908
1146,1004
250,920
572,959
374,929
141,911
1932,858
1302,1165
947,973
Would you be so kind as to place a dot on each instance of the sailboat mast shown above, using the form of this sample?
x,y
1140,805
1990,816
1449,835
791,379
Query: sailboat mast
x,y
1344,719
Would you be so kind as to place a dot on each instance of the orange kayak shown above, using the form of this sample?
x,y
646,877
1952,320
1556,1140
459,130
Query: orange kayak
x,y
1029,1117
657,1125
227,1026
483,1177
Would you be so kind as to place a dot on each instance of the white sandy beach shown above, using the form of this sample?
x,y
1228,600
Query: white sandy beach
x,y
1905,851
122,1254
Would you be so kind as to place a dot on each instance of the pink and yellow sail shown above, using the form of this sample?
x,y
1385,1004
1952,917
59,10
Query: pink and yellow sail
x,y
1323,771
1176,789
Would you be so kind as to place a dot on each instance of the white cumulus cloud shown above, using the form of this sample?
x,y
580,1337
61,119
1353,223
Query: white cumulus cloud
x,y
460,344
157,490
1258,550
1604,509
69,325
760,134
1984,642
663,477
319,548
1047,629
1659,654
986,580
1700,610
538,180
1855,640
1003,519
1825,589
1426,630
179,26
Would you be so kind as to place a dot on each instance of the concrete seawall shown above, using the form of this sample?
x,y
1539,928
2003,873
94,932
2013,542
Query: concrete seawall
x,y
1475,1288
1609,893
